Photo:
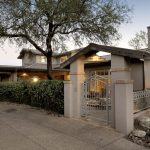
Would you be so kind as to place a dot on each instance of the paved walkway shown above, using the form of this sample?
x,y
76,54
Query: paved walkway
x,y
25,128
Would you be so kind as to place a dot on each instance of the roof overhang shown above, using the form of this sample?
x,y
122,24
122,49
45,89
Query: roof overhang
x,y
26,69
94,48
24,51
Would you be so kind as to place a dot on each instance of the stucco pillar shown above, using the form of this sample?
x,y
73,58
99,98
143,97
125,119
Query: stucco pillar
x,y
76,77
67,99
124,106
147,74
120,70
13,77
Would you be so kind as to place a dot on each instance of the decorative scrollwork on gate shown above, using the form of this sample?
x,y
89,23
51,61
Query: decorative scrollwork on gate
x,y
96,97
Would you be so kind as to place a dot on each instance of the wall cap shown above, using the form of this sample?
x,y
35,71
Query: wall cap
x,y
77,73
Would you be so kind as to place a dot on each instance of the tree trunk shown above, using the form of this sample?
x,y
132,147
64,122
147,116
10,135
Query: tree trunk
x,y
49,51
49,65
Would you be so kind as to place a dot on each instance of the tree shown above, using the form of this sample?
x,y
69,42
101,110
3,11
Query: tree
x,y
139,41
49,24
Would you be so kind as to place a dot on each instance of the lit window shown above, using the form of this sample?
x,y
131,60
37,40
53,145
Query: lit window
x,y
62,59
43,59
95,58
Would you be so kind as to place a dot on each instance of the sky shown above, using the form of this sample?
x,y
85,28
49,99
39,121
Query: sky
x,y
140,20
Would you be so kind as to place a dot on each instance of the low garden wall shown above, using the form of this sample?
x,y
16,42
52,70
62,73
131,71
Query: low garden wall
x,y
48,95
141,100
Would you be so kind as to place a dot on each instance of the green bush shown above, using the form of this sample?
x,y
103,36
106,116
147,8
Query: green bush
x,y
46,94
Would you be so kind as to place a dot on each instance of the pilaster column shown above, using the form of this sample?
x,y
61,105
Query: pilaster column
x,y
72,89
124,106
120,71
147,74
68,99
77,78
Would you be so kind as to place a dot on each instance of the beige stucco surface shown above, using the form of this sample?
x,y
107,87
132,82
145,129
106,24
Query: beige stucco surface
x,y
137,75
147,73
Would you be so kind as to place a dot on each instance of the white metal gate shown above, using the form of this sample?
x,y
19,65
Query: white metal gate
x,y
96,102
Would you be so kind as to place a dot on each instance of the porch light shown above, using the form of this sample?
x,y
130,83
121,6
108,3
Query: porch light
x,y
35,79
24,74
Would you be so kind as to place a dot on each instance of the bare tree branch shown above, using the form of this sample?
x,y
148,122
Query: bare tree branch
x,y
27,37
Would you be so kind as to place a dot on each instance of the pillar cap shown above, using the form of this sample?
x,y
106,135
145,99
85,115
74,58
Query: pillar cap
x,y
67,82
124,82
120,69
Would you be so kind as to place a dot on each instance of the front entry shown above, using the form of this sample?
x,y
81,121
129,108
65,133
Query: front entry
x,y
96,102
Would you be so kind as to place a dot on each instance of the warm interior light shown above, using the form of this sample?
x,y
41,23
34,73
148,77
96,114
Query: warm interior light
x,y
67,77
101,53
96,58
43,59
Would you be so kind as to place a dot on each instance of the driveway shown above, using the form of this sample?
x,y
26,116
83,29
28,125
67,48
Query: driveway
x,y
25,128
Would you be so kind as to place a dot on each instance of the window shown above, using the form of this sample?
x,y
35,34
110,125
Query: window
x,y
43,59
94,58
62,59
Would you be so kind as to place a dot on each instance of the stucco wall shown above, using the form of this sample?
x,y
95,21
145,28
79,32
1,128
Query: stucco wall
x,y
137,76
147,73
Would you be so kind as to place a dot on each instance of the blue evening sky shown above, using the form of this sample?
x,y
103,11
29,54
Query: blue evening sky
x,y
140,20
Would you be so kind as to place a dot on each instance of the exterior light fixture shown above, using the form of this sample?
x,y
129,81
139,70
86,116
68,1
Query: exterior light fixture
x,y
35,79
24,74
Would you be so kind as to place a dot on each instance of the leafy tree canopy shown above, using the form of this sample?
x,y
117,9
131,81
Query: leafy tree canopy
x,y
49,24
139,41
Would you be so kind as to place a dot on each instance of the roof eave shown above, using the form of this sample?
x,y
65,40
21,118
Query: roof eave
x,y
110,49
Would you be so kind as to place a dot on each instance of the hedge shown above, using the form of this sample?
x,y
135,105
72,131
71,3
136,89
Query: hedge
x,y
48,95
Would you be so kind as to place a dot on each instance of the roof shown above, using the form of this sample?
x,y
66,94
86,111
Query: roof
x,y
24,68
94,48
36,52
23,51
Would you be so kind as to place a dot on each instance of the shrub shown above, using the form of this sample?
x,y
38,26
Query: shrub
x,y
46,94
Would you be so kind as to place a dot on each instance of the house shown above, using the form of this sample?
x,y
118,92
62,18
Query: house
x,y
102,82
111,97
34,67
34,64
